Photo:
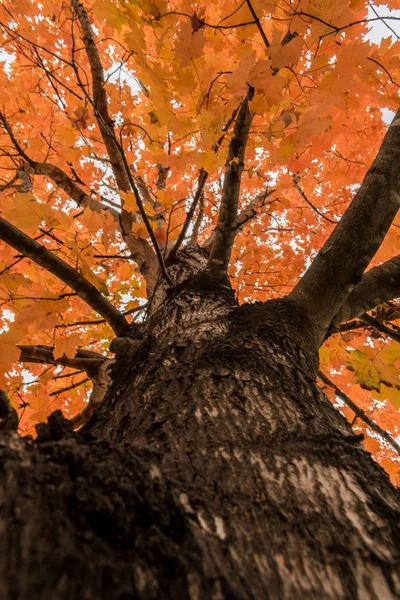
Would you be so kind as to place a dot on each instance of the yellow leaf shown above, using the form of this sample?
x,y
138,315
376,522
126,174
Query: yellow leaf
x,y
24,212
94,279
189,44
9,352
129,201
139,229
287,55
109,12
66,345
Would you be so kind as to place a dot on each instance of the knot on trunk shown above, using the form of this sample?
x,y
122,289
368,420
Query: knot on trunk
x,y
56,428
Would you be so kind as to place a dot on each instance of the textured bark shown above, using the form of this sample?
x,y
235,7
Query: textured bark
x,y
341,262
378,285
224,234
215,468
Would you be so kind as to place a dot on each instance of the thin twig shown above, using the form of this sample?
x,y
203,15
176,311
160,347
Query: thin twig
x,y
70,387
296,180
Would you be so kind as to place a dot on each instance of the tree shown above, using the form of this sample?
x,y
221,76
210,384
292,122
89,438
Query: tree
x,y
211,171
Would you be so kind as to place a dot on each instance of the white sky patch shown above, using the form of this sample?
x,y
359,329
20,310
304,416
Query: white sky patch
x,y
121,74
387,115
386,28
380,30
7,59
6,315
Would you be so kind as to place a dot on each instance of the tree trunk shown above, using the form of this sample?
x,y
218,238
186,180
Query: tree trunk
x,y
215,468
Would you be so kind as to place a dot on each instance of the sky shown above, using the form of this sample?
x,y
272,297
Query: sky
x,y
380,30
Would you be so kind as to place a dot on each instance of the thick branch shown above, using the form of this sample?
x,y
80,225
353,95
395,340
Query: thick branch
x,y
147,197
199,196
84,360
46,259
115,151
339,266
367,320
360,414
247,214
378,285
101,380
251,210
225,231
72,189
105,122
60,178
140,249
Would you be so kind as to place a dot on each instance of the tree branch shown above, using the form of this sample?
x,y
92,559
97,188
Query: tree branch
x,y
371,322
72,189
225,231
339,266
200,193
95,365
257,22
377,286
115,151
84,360
146,195
296,180
147,225
359,412
140,249
388,331
189,216
60,178
46,259
247,214
196,227
100,105
101,380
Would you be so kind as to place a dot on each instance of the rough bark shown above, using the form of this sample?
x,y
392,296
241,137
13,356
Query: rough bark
x,y
224,235
341,262
215,468
378,285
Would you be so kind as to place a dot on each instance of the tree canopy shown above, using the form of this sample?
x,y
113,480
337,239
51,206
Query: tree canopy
x,y
127,131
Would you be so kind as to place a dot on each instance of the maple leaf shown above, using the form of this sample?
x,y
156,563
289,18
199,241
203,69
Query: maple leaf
x,y
190,43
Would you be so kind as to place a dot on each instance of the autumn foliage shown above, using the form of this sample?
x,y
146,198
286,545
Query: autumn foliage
x,y
175,76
